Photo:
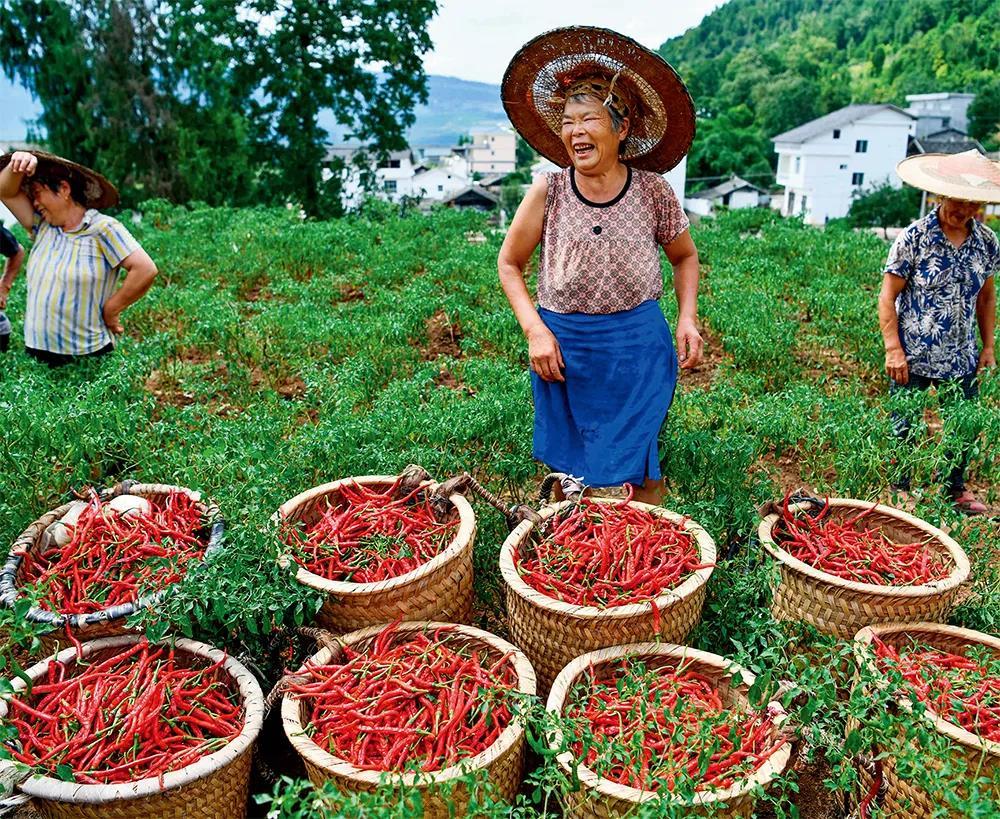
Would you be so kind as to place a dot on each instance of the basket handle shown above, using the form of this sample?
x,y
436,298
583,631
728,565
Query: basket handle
x,y
572,487
10,801
464,483
324,639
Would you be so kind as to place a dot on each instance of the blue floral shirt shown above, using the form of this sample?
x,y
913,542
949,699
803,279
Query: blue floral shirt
x,y
937,308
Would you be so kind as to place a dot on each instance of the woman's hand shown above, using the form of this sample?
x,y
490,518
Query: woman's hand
x,y
987,358
546,358
690,345
23,162
112,319
896,366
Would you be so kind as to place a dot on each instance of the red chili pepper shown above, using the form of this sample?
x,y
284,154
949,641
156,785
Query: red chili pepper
x,y
850,551
118,720
409,700
113,559
370,535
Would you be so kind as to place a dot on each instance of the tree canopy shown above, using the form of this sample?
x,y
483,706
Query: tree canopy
x,y
218,100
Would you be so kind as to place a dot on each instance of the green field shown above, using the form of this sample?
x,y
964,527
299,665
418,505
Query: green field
x,y
275,354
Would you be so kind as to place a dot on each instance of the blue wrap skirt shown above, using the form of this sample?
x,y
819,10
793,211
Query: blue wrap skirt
x,y
601,424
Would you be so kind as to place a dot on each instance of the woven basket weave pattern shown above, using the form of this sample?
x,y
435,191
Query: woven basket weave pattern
x,y
552,633
840,607
213,787
502,762
598,798
968,752
439,590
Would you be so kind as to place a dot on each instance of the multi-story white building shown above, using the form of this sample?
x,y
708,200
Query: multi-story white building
x,y
439,183
937,112
825,163
491,152
393,176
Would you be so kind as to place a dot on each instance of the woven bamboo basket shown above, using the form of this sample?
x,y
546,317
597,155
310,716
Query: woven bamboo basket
x,y
107,622
552,632
214,787
841,607
503,761
599,798
969,752
440,589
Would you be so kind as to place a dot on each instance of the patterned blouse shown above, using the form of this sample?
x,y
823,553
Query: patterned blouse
x,y
605,257
937,308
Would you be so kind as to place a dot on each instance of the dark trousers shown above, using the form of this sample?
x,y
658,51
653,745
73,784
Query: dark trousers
x,y
61,359
902,422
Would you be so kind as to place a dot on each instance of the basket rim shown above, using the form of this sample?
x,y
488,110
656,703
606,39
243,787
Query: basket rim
x,y
958,575
50,788
691,584
10,589
341,588
337,766
951,730
771,768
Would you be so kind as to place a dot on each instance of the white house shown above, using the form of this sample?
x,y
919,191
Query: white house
x,y
936,112
393,176
734,193
438,183
823,163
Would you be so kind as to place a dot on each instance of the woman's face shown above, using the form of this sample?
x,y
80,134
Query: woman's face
x,y
55,207
956,213
591,142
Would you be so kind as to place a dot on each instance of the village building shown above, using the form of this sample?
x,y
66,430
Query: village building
x,y
490,151
937,112
734,193
825,163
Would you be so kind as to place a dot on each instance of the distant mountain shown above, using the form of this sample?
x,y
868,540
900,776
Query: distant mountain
x,y
454,107
757,68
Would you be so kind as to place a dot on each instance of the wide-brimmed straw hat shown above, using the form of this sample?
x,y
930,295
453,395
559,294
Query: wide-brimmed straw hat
x,y
969,176
539,77
98,192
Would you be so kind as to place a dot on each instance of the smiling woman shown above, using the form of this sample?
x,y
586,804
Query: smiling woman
x,y
74,304
604,365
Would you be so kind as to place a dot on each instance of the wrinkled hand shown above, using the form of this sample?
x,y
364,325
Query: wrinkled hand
x,y
112,321
896,366
23,162
546,357
690,345
987,359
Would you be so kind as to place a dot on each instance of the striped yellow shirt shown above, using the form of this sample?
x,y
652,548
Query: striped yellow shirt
x,y
70,274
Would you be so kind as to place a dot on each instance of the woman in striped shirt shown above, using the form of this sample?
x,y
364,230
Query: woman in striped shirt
x,y
74,302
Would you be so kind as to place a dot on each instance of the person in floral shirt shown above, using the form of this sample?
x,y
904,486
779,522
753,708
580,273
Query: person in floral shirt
x,y
938,288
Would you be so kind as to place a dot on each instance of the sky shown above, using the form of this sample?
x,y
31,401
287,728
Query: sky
x,y
475,39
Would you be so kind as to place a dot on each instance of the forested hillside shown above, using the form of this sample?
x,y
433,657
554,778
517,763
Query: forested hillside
x,y
759,67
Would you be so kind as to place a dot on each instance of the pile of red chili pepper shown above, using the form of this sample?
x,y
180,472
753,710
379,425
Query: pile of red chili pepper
x,y
657,725
961,690
371,535
409,700
603,554
113,558
853,552
142,713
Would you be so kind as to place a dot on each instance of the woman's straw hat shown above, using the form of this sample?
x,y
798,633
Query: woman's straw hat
x,y
660,110
969,176
98,192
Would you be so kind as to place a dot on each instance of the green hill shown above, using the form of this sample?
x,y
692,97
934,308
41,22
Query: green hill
x,y
759,67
